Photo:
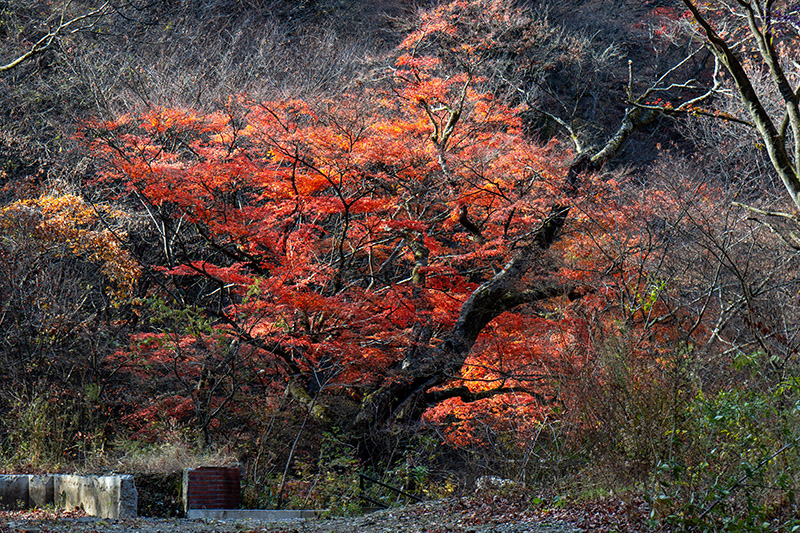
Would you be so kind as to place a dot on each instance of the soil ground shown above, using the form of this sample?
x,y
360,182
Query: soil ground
x,y
481,514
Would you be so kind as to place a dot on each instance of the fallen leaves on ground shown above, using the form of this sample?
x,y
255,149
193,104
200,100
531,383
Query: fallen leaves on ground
x,y
515,513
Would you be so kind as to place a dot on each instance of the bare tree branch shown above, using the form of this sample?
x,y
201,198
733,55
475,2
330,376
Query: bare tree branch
x,y
774,137
69,27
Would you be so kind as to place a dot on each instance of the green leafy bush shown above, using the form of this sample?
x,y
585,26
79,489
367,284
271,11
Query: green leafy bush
x,y
736,460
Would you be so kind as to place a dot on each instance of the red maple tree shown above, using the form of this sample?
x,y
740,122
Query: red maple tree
x,y
405,243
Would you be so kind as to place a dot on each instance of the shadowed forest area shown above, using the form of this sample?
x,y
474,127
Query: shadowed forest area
x,y
424,242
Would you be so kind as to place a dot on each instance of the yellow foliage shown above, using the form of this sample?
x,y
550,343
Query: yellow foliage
x,y
66,220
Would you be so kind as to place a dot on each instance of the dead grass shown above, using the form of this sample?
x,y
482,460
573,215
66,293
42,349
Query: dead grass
x,y
172,456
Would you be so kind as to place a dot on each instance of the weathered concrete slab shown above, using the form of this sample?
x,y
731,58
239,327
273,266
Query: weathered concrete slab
x,y
112,496
103,496
13,492
40,491
252,514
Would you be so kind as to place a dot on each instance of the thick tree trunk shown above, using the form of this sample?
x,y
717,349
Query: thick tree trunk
x,y
407,393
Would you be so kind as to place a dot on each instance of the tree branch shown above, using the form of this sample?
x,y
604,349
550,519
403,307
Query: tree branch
x,y
467,396
770,134
46,42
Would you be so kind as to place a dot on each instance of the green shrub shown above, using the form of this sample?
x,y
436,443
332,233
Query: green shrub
x,y
335,477
327,479
736,460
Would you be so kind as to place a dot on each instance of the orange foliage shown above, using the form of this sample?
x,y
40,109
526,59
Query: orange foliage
x,y
64,223
346,225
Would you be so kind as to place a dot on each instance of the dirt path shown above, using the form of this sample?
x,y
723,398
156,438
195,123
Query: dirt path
x,y
455,515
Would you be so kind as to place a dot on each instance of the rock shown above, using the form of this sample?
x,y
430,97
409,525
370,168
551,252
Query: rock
x,y
497,484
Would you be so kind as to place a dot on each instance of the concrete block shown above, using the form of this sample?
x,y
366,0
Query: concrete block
x,y
253,514
40,491
103,496
128,497
13,492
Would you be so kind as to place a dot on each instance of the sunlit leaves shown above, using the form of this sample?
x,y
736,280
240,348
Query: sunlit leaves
x,y
341,213
66,223
330,236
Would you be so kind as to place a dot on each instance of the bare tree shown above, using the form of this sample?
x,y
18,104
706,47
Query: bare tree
x,y
752,36
63,26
